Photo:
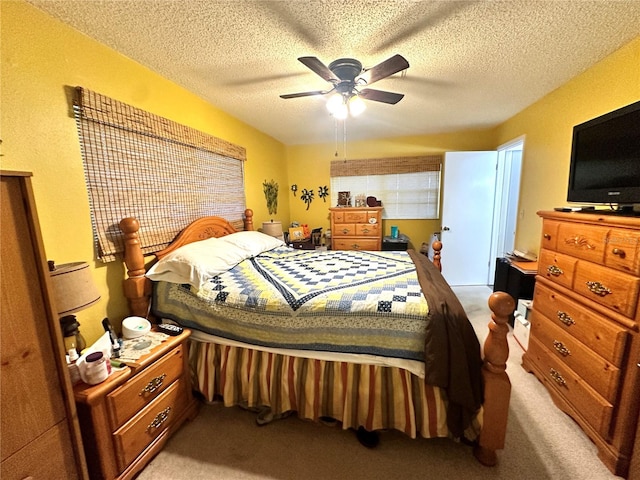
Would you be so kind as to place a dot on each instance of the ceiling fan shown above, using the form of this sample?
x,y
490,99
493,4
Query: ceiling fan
x,y
347,77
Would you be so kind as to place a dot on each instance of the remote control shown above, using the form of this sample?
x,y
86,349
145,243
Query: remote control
x,y
170,329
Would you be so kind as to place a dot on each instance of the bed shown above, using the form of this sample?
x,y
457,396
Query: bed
x,y
370,340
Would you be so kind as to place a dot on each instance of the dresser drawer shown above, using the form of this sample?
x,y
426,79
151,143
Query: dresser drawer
x,y
344,229
613,289
600,374
356,244
592,407
549,234
130,398
369,230
603,336
582,241
356,217
622,251
141,430
557,267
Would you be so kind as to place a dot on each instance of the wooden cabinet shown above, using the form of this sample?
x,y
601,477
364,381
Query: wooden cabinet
x,y
584,343
40,433
129,417
356,228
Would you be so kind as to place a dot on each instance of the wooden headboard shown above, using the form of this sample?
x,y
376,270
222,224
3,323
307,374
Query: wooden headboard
x,y
137,287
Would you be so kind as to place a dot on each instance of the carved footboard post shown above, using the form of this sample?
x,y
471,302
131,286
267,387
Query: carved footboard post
x,y
497,387
437,247
136,286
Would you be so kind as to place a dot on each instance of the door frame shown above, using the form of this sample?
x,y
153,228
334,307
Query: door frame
x,y
506,202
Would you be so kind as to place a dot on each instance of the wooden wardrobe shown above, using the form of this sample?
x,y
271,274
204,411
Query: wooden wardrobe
x,y
40,432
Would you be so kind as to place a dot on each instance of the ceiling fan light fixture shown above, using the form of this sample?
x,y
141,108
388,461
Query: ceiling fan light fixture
x,y
356,105
337,106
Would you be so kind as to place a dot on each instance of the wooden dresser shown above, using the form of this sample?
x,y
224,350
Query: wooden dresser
x,y
129,417
40,432
584,343
354,228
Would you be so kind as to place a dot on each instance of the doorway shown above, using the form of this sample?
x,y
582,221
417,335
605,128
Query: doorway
x,y
479,213
505,211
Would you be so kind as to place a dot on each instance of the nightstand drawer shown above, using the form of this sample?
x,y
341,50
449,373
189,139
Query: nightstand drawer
x,y
592,407
130,398
600,374
606,338
135,435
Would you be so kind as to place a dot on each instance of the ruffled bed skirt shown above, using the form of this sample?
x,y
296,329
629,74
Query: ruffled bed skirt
x,y
374,397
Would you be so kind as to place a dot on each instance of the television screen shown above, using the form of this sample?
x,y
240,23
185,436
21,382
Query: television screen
x,y
605,158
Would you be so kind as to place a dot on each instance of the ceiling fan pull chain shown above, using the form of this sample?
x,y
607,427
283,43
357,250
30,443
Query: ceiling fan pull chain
x,y
344,128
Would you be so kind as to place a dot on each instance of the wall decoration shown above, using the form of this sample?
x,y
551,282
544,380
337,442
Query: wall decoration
x,y
323,193
307,196
271,194
294,189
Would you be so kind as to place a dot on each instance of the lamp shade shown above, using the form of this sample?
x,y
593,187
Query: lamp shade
x,y
73,287
273,228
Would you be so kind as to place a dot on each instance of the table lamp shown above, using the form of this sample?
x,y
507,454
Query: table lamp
x,y
73,291
273,228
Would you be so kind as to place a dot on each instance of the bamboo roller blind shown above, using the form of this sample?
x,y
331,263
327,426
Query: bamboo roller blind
x,y
163,173
385,166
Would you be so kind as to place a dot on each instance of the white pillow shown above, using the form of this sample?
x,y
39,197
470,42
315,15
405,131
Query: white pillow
x,y
197,262
252,242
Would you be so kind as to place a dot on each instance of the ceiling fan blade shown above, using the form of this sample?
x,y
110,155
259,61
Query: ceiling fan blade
x,y
392,65
319,68
305,94
381,96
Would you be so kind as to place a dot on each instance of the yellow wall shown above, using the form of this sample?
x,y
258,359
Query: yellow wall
x,y
308,167
548,125
41,59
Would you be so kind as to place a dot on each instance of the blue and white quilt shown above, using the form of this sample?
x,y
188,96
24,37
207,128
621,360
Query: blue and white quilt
x,y
336,301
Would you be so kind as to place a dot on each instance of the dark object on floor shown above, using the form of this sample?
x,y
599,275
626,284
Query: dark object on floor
x,y
366,438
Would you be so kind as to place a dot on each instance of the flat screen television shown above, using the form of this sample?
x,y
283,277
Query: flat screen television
x,y
605,159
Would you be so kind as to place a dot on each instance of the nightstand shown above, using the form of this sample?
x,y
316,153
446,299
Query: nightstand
x,y
398,244
127,419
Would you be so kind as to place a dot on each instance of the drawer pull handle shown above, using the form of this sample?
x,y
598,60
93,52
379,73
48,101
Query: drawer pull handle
x,y
598,288
547,236
557,377
554,270
561,349
153,385
159,419
565,318
355,246
618,251
580,242
365,230
345,231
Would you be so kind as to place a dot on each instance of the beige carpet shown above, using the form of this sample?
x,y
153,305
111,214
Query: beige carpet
x,y
226,443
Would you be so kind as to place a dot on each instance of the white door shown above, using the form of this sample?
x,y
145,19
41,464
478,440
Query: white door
x,y
467,216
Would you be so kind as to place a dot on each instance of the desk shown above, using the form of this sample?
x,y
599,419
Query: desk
x,y
516,278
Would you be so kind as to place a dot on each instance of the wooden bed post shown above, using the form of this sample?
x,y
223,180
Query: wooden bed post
x,y
437,247
248,220
497,387
136,286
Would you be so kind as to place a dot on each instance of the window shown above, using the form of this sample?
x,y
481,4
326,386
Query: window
x,y
409,188
163,173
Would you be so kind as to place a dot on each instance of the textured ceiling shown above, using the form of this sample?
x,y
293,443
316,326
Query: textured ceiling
x,y
472,63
